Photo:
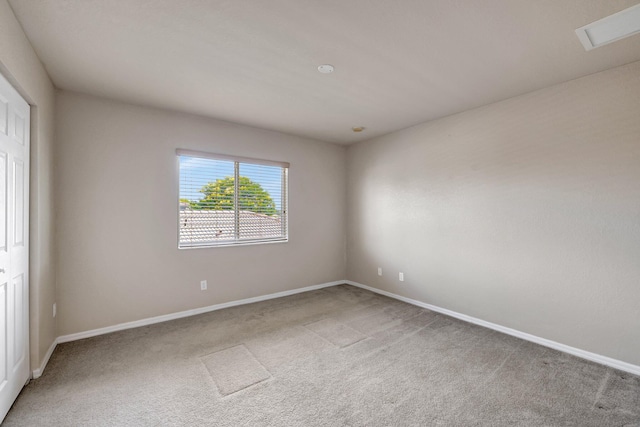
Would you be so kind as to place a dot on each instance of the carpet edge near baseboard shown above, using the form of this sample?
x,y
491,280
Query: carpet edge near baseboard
x,y
583,354
37,373
172,316
191,312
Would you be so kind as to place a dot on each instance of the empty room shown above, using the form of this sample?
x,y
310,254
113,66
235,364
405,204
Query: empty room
x,y
319,213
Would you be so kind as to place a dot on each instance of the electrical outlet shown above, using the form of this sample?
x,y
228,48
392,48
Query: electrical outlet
x,y
379,271
401,276
203,285
55,311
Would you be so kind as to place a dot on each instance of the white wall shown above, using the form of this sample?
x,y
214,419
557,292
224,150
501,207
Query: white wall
x,y
524,213
20,65
117,218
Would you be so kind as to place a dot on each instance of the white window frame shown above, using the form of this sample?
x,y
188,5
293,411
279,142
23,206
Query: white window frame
x,y
237,161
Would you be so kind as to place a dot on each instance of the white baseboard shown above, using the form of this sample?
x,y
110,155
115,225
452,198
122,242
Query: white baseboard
x,y
192,312
37,373
603,360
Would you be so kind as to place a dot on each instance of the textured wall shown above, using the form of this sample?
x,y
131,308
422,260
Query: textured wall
x,y
525,213
117,221
20,65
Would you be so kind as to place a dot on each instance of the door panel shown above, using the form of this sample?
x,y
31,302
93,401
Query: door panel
x,y
4,360
19,130
18,202
4,115
3,202
18,323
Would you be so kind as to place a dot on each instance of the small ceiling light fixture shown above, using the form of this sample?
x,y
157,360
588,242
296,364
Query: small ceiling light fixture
x,y
358,129
326,68
610,29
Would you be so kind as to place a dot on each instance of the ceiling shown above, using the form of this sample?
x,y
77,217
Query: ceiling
x,y
397,63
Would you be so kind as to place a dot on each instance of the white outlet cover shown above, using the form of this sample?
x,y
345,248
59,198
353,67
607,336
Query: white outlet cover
x,y
401,277
203,285
379,271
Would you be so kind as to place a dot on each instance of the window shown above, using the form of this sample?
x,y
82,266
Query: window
x,y
227,200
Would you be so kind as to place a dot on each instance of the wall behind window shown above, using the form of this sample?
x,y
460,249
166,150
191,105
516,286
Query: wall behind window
x,y
525,213
117,214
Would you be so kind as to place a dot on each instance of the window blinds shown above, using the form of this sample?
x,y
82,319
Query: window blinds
x,y
227,200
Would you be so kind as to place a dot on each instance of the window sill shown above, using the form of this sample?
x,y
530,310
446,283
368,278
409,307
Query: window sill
x,y
233,244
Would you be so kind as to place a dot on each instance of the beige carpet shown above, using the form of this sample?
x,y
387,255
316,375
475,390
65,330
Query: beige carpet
x,y
340,356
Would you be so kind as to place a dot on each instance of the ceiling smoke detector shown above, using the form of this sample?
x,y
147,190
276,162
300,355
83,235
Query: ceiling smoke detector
x,y
326,68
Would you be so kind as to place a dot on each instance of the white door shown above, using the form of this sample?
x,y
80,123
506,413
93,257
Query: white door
x,y
14,244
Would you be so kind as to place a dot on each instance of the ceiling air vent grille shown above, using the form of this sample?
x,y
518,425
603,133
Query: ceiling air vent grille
x,y
610,29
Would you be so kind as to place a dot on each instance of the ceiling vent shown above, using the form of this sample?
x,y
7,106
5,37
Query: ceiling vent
x,y
610,29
